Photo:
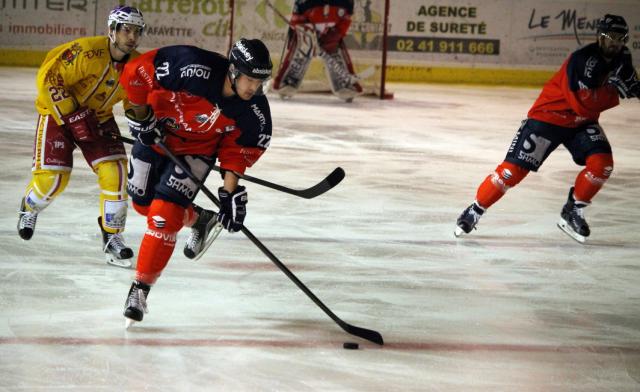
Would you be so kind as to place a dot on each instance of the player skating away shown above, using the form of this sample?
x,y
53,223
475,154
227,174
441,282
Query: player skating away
x,y
318,27
589,82
203,107
77,89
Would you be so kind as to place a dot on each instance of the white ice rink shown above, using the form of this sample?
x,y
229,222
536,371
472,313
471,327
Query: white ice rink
x,y
516,306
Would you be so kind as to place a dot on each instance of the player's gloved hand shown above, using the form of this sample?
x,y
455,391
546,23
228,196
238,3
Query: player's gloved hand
x,y
147,130
330,40
233,208
83,124
625,80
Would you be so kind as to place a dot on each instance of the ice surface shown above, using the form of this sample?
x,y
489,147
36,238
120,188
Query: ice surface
x,y
515,306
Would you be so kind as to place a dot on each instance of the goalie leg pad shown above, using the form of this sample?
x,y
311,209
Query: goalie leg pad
x,y
341,74
299,52
112,179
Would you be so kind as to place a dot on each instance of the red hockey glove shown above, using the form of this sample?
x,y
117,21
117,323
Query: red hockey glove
x,y
82,124
330,40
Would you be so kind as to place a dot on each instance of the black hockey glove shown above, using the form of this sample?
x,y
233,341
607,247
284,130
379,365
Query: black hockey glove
x,y
147,130
625,80
233,208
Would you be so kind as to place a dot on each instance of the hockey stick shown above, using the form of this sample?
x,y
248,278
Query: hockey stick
x,y
335,65
316,190
368,334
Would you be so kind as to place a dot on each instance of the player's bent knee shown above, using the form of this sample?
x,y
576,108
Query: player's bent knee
x,y
165,216
600,165
508,175
44,187
112,176
140,209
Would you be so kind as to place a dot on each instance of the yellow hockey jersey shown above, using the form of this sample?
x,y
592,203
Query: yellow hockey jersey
x,y
80,73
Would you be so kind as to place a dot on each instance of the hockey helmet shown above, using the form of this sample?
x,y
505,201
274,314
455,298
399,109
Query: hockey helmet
x,y
251,58
613,24
123,14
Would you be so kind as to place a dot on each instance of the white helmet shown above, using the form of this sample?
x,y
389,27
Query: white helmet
x,y
124,14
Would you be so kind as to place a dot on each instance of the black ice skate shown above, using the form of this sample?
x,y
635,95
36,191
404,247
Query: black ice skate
x,y
136,304
116,252
26,222
572,219
203,233
468,219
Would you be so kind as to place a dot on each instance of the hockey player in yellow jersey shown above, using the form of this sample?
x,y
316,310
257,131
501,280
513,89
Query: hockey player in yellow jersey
x,y
78,85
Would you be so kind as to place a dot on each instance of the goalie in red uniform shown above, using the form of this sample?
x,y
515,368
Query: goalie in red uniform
x,y
589,82
203,107
317,28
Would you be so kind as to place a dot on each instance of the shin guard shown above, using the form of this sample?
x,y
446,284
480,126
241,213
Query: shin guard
x,y
164,220
591,179
506,175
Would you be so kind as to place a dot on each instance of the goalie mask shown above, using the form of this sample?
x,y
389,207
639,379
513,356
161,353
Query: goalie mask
x,y
613,27
124,15
249,57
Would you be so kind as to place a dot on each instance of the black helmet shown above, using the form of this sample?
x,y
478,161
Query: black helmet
x,y
613,24
250,57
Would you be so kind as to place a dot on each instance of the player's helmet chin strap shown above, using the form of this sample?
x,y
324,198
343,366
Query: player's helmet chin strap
x,y
233,74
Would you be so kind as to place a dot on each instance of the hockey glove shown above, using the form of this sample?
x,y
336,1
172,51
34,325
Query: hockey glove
x,y
147,130
82,124
625,80
330,40
233,208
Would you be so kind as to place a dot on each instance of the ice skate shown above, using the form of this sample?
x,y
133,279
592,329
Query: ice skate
x,y
116,252
26,222
203,233
572,219
136,304
468,219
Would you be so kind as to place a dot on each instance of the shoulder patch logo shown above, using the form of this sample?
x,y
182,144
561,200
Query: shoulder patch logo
x,y
69,55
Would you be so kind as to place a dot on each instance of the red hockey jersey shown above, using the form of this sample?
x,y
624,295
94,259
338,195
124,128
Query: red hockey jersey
x,y
324,14
183,85
579,91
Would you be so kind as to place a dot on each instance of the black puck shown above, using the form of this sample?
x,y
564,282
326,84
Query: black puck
x,y
350,346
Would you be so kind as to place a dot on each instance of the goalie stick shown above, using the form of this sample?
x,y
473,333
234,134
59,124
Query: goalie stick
x,y
336,66
367,334
330,181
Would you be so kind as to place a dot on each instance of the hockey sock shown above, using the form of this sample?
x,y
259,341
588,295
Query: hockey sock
x,y
163,223
112,179
493,187
589,181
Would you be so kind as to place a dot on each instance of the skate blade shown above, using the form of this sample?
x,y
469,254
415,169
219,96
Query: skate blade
x,y
128,323
564,226
122,263
213,234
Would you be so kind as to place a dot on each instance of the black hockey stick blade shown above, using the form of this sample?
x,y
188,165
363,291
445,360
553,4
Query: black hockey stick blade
x,y
318,189
367,334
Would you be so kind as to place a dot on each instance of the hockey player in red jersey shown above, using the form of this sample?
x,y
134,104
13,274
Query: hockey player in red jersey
x,y
77,89
589,82
202,106
318,27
